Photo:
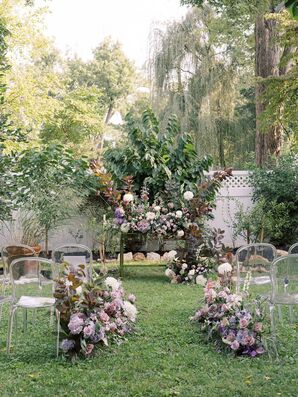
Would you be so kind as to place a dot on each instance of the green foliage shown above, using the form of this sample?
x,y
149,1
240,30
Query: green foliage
x,y
109,70
278,188
202,68
51,183
153,156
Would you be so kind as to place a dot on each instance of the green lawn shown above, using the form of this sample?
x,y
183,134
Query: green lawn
x,y
165,358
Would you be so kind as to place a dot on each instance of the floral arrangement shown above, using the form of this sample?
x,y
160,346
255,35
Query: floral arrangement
x,y
161,218
210,255
94,314
228,323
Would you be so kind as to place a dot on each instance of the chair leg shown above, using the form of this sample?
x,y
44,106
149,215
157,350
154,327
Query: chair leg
x,y
10,324
273,330
58,332
291,314
25,320
279,312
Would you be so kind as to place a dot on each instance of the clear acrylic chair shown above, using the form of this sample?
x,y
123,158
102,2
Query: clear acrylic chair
x,y
32,288
74,255
10,253
254,265
284,274
293,249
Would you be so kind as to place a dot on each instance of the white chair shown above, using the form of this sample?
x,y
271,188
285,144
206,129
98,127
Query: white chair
x,y
284,274
293,249
254,264
32,288
74,255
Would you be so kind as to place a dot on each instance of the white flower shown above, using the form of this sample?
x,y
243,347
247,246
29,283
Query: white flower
x,y
128,197
184,266
179,214
113,283
191,272
79,290
150,216
224,268
201,280
180,233
125,227
188,195
169,273
130,311
157,208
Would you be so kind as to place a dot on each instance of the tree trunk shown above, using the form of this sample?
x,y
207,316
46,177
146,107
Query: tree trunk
x,y
110,113
268,53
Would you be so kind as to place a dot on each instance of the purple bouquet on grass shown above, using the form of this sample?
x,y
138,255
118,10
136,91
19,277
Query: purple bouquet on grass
x,y
225,320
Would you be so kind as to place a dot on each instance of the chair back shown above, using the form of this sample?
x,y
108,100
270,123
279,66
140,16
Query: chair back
x,y
74,255
293,249
12,252
31,277
284,274
254,262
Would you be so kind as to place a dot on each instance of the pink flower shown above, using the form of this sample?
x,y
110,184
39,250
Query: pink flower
x,y
104,317
89,330
248,340
243,323
258,327
234,345
89,348
132,298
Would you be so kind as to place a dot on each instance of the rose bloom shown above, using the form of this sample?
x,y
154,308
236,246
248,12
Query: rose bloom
x,y
157,208
243,323
180,233
234,345
188,195
258,327
150,216
131,298
179,214
104,317
89,348
248,340
128,198
89,330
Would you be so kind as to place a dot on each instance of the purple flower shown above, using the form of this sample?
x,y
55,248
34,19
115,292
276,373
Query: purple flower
x,y
143,226
76,323
67,344
234,345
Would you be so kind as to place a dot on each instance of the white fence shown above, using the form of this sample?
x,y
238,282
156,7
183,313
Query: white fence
x,y
235,192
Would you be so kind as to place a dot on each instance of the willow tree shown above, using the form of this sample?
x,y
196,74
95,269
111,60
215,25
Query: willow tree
x,y
270,59
198,79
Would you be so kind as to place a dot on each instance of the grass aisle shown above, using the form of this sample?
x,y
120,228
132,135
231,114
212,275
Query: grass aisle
x,y
165,358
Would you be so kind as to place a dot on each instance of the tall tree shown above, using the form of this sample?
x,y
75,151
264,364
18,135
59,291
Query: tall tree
x,y
268,56
109,70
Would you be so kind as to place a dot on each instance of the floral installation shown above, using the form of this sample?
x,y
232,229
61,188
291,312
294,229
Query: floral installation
x,y
226,321
210,255
94,314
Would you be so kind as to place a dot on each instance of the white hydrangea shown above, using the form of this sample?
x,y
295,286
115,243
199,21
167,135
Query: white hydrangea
x,y
113,283
130,311
169,273
188,195
125,227
224,268
150,216
179,214
180,233
128,197
201,280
